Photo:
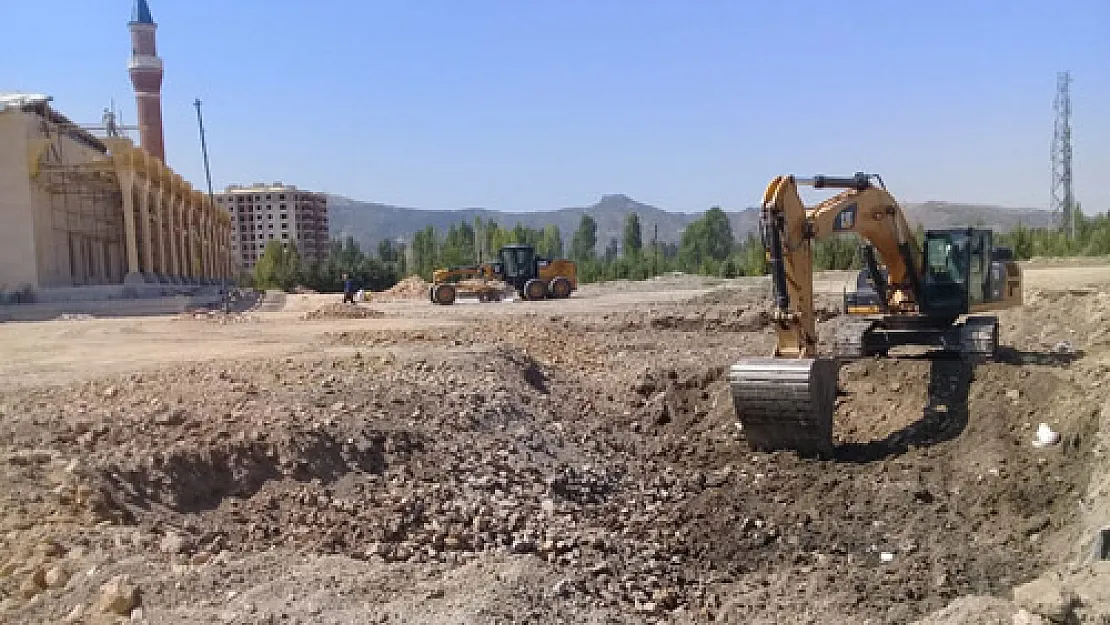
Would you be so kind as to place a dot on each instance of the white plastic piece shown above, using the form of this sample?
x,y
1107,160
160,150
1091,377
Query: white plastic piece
x,y
886,556
1046,436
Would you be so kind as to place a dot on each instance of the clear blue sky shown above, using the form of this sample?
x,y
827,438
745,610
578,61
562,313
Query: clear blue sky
x,y
537,104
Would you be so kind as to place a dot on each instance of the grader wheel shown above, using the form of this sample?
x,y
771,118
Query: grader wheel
x,y
443,294
560,288
535,289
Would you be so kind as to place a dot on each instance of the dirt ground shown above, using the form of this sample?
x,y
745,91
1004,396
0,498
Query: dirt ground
x,y
540,462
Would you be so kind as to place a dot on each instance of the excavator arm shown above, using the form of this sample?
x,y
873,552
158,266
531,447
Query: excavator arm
x,y
787,400
789,230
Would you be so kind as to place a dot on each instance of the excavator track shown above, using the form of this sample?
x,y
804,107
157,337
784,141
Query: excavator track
x,y
852,340
786,403
979,337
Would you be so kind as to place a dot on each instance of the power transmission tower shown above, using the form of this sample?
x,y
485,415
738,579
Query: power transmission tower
x,y
1063,194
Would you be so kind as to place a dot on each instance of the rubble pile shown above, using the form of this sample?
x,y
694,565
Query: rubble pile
x,y
343,311
546,468
411,287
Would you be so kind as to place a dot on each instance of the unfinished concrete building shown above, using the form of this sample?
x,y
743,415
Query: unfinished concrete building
x,y
261,213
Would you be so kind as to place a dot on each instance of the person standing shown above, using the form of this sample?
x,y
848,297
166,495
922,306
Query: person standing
x,y
348,289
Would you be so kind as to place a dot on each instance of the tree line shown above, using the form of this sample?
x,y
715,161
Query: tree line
x,y
707,246
468,243
281,267
1092,238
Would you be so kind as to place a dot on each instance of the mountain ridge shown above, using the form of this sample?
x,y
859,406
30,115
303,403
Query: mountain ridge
x,y
370,222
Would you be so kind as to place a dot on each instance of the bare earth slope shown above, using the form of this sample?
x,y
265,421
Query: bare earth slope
x,y
547,462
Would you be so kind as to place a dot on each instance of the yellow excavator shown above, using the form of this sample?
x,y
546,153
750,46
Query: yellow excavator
x,y
929,293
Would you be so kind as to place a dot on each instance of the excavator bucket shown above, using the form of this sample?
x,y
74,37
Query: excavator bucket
x,y
785,403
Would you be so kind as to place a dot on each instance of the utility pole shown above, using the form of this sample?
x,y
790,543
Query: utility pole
x,y
1063,193
212,198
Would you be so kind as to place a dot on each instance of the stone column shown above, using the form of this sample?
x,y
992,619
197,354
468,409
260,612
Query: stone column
x,y
186,268
187,238
195,243
205,241
130,234
175,231
157,210
146,259
167,233
183,235
198,232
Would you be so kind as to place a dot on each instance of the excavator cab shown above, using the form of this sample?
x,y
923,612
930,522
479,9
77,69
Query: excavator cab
x,y
963,272
946,287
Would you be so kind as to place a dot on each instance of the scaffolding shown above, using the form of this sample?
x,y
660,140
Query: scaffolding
x,y
85,205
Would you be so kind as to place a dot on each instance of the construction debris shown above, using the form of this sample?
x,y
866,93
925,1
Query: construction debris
x,y
412,287
570,465
343,311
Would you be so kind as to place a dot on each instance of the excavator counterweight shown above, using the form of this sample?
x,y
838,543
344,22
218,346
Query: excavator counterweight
x,y
925,294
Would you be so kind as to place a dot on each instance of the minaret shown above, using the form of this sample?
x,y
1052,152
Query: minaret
x,y
145,68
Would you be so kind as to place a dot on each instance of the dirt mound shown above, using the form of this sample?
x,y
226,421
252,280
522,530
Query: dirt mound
x,y
343,311
548,468
217,316
746,295
74,317
411,287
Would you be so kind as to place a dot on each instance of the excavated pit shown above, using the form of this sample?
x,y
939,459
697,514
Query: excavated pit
x,y
607,471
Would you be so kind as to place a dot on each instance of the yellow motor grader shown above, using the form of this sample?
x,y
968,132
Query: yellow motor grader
x,y
518,269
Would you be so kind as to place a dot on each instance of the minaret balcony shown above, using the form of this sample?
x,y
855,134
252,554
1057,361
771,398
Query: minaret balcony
x,y
144,62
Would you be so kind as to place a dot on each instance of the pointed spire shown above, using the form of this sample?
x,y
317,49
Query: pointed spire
x,y
141,13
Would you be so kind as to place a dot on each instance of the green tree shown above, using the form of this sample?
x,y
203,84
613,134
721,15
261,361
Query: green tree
x,y
837,252
1021,240
489,239
706,242
633,237
584,241
731,267
719,232
551,242
350,252
753,256
611,249
345,257
523,235
468,248
279,267
425,256
387,251
456,250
